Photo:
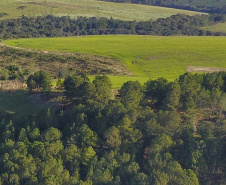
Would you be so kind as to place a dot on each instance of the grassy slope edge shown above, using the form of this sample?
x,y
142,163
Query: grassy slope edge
x,y
146,56
220,27
88,8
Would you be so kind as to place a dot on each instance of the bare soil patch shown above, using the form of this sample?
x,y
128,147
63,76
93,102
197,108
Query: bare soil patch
x,y
204,69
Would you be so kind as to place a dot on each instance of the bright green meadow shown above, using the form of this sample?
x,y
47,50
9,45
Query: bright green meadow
x,y
88,8
146,56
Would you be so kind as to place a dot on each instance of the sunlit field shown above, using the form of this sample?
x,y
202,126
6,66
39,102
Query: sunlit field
x,y
146,56
88,8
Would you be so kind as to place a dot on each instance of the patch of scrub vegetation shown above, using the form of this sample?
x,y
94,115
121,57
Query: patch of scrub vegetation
x,y
145,56
58,64
88,8
2,14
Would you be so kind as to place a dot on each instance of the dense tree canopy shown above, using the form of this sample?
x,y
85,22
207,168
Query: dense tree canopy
x,y
51,26
39,80
164,133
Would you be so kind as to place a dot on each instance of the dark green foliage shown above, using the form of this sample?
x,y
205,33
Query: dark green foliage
x,y
113,138
172,99
190,86
214,80
72,86
157,90
78,87
100,140
51,26
131,94
103,90
39,80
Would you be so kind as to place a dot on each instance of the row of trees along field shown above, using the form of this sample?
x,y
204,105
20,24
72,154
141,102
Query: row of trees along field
x,y
51,26
160,133
180,4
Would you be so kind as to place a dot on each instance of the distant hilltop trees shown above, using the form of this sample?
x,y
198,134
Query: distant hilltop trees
x,y
51,26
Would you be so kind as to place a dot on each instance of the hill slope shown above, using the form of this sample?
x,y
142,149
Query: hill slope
x,y
91,8
213,6
145,56
220,27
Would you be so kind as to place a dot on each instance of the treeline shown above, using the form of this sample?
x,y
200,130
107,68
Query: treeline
x,y
51,26
179,4
160,133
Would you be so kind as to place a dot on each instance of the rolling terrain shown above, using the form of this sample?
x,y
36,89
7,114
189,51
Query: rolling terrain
x,y
145,56
210,6
10,9
220,27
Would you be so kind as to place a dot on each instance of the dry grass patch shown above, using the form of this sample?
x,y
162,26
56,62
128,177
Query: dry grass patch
x,y
55,62
204,69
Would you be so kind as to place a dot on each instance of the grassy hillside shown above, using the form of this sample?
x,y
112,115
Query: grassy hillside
x,y
146,56
89,8
221,27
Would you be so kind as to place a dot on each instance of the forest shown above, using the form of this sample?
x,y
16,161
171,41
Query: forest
x,y
158,133
51,26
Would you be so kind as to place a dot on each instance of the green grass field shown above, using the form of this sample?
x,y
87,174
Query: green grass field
x,y
88,8
146,56
220,27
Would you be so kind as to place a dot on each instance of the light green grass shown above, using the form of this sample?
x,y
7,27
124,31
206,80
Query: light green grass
x,y
88,8
146,56
118,81
220,27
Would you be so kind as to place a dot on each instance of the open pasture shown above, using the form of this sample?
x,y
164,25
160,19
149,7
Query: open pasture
x,y
146,56
88,8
